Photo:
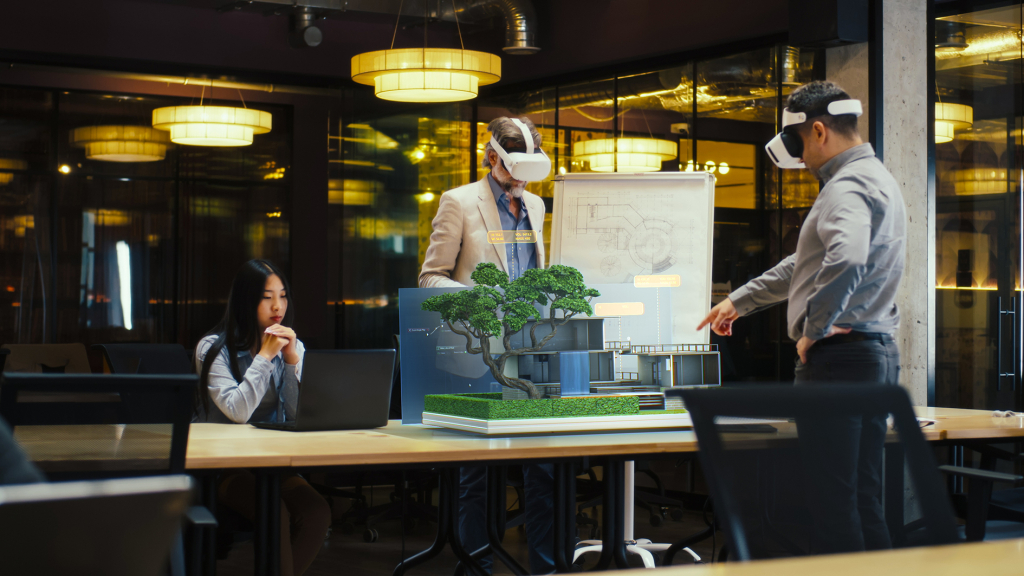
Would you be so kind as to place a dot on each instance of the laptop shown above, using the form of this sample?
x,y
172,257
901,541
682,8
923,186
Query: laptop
x,y
342,390
122,527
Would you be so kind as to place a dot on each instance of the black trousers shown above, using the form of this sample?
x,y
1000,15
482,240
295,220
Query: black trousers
x,y
842,456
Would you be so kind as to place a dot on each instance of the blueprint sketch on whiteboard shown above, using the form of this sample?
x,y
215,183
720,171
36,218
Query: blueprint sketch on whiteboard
x,y
641,228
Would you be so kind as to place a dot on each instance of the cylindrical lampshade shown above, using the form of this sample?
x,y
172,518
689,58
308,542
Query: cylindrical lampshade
x,y
627,154
426,74
211,125
10,164
117,143
959,115
943,132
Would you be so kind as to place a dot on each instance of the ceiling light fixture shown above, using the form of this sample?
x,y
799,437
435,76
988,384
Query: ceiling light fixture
x,y
426,74
212,125
624,154
10,164
949,117
117,143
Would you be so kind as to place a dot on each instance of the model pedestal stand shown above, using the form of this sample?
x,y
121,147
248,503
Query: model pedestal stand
x,y
641,547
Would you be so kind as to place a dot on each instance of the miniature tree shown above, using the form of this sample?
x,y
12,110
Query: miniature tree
x,y
498,308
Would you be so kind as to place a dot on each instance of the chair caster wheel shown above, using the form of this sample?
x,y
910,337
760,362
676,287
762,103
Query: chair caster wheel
x,y
370,535
656,520
676,514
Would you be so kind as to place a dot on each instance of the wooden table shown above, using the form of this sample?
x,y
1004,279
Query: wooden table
x,y
224,446
998,558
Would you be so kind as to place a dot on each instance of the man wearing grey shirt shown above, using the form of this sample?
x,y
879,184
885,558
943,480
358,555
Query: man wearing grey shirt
x,y
841,286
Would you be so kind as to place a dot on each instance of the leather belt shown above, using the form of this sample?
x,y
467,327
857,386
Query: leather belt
x,y
855,337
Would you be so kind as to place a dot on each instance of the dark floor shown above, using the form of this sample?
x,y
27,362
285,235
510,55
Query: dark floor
x,y
348,555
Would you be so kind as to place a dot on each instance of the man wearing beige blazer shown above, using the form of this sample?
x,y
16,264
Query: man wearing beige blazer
x,y
491,221
467,215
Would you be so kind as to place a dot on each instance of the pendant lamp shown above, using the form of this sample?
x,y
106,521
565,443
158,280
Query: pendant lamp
x,y
426,74
625,154
211,125
119,143
949,117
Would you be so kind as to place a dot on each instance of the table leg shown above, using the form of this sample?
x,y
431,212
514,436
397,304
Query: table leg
x,y
613,546
495,488
894,480
447,528
267,539
565,516
209,499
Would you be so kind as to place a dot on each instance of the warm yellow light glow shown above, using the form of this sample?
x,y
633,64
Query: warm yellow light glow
x,y
625,154
974,181
723,168
561,169
116,143
426,74
353,192
950,116
709,166
10,164
211,125
65,169
425,197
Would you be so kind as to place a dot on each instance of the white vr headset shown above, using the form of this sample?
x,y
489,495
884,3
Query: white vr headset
x,y
787,149
530,166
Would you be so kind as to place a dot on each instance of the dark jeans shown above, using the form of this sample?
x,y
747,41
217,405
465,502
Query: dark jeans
x,y
843,456
539,486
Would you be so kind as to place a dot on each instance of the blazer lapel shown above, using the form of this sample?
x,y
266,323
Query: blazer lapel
x,y
489,210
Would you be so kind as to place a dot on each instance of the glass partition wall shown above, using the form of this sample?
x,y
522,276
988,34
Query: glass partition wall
x,y
714,115
97,251
978,108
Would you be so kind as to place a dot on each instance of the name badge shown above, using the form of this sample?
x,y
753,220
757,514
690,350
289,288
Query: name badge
x,y
512,237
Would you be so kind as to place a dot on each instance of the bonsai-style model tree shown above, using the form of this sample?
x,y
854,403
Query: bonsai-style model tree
x,y
498,308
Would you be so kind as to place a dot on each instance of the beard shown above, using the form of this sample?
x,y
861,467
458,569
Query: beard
x,y
511,186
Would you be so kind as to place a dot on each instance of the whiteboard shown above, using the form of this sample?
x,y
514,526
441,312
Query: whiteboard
x,y
650,230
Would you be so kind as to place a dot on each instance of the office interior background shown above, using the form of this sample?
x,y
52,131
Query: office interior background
x,y
341,192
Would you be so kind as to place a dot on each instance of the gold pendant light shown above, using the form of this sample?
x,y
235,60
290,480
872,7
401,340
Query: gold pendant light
x,y
625,154
949,117
10,164
426,74
119,143
212,125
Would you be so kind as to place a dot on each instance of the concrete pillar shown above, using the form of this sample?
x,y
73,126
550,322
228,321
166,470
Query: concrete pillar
x,y
905,153
905,138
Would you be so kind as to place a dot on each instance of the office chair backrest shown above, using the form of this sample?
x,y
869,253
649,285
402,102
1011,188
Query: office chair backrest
x,y
47,358
116,425
760,481
146,358
119,527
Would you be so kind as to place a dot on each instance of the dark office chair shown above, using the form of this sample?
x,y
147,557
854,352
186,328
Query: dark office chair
x,y
146,358
47,358
1005,507
138,427
756,470
123,527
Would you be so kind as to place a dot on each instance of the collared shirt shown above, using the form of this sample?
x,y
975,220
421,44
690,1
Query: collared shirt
x,y
849,258
268,392
520,256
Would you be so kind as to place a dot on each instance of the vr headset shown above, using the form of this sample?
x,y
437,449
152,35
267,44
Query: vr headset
x,y
530,166
787,148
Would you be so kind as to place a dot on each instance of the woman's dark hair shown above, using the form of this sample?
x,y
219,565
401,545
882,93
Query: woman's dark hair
x,y
239,329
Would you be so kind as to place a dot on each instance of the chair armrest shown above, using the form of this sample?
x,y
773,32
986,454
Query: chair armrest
x,y
200,517
988,475
994,452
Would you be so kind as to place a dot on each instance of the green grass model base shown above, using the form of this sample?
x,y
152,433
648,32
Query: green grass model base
x,y
491,407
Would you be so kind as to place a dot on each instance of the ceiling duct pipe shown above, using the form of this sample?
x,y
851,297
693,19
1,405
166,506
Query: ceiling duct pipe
x,y
520,22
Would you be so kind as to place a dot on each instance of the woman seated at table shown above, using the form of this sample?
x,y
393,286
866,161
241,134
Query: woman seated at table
x,y
249,367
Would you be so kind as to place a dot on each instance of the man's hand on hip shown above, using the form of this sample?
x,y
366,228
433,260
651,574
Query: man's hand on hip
x,y
805,343
721,318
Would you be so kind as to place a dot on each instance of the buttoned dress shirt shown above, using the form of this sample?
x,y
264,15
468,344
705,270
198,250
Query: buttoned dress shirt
x,y
462,236
268,392
519,255
849,258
